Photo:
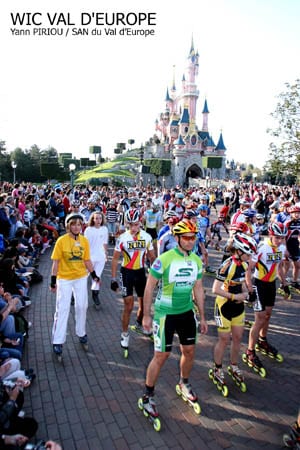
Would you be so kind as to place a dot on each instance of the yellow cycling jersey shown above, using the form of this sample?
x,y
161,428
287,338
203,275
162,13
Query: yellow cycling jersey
x,y
71,255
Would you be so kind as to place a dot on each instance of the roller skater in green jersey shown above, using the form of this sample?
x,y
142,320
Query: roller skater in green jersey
x,y
231,289
179,272
268,266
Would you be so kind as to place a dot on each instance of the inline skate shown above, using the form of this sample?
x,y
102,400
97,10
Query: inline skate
x,y
295,287
248,324
267,349
57,350
218,378
188,395
84,342
237,376
285,291
137,328
124,343
292,438
148,406
254,362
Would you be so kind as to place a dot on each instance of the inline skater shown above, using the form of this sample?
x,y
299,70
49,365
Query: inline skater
x,y
268,266
292,245
232,291
179,274
133,245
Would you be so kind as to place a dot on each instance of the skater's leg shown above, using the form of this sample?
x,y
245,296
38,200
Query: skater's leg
x,y
128,306
155,366
63,302
264,329
186,360
258,324
236,334
81,305
223,341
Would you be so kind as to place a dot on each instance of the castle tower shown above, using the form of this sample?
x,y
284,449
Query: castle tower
x,y
192,150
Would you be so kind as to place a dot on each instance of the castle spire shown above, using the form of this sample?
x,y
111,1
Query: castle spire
x,y
220,144
205,113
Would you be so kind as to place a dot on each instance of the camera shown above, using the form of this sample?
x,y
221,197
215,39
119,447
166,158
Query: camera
x,y
39,446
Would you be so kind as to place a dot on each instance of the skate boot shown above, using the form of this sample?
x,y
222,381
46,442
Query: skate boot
x,y
248,324
254,362
185,391
295,286
124,343
95,296
237,376
292,439
209,270
218,378
285,292
148,406
267,349
84,342
57,350
138,328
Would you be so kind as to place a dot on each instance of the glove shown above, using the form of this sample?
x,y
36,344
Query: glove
x,y
53,281
287,290
114,285
252,296
94,276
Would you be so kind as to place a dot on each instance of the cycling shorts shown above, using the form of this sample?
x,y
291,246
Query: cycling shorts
x,y
266,292
228,314
132,279
164,327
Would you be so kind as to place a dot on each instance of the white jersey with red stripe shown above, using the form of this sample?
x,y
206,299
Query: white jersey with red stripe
x,y
134,248
238,217
267,259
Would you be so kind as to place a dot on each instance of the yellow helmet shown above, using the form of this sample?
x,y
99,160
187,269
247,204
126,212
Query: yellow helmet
x,y
184,226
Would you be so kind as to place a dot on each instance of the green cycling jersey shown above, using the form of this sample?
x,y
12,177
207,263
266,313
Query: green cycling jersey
x,y
177,274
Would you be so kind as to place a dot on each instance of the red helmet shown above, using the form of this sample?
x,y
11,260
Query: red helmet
x,y
277,229
294,209
132,215
245,243
239,227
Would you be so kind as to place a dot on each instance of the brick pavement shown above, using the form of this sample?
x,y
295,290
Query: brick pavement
x,y
90,401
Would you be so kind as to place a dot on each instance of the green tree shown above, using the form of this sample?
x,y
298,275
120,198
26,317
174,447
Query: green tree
x,y
284,156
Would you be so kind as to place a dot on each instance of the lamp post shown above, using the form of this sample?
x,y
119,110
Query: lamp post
x,y
72,168
14,166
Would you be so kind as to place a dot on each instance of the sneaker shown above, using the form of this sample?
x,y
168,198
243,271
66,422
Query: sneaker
x,y
150,406
188,392
124,340
83,340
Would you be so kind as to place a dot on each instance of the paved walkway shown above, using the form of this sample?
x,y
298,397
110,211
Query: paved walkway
x,y
90,400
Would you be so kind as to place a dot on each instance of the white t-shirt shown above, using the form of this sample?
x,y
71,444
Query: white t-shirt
x,y
97,238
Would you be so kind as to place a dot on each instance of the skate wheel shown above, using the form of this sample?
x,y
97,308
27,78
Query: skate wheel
x,y
178,390
262,372
243,387
126,353
244,358
210,374
225,391
197,408
279,358
219,386
156,424
140,404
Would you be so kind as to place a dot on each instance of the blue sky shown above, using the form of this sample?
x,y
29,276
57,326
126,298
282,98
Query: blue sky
x,y
76,91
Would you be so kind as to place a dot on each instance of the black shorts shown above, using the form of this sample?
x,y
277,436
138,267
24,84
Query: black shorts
x,y
266,292
164,327
132,279
152,232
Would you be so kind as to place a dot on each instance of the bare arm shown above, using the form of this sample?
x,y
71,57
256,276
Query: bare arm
x,y
199,297
239,298
114,263
148,296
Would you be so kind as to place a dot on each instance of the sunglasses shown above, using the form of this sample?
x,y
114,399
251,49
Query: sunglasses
x,y
188,238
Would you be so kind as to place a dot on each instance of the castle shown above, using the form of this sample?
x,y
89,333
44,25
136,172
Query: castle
x,y
177,136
